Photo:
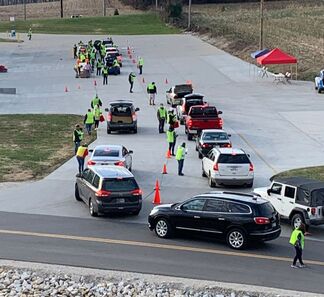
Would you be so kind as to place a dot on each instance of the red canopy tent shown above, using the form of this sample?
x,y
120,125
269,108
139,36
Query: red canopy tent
x,y
277,56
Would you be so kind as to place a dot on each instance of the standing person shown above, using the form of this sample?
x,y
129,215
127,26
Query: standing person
x,y
152,91
75,50
171,139
180,156
99,66
171,117
161,115
140,65
105,75
89,121
77,137
97,113
92,59
29,34
81,154
96,101
297,239
131,79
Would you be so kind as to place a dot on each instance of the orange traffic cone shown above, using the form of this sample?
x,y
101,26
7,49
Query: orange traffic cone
x,y
134,61
143,80
168,154
157,198
94,82
66,89
166,81
164,171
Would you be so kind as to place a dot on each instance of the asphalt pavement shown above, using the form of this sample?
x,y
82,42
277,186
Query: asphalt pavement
x,y
278,124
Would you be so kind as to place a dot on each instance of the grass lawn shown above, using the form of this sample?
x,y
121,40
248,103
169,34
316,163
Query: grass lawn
x,y
136,24
34,145
316,172
9,40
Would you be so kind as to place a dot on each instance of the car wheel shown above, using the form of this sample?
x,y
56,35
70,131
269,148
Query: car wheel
x,y
136,213
200,156
203,174
163,228
108,131
189,136
92,210
236,239
211,183
296,220
76,193
130,168
135,130
250,185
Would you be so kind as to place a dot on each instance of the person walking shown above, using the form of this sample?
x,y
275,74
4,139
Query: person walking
x,y
29,34
180,156
161,115
140,65
152,91
131,79
89,121
75,50
99,67
81,154
77,137
105,75
171,139
96,101
97,113
297,239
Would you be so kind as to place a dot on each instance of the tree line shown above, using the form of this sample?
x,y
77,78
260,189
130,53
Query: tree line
x,y
15,2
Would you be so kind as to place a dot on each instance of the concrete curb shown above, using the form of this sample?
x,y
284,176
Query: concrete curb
x,y
156,279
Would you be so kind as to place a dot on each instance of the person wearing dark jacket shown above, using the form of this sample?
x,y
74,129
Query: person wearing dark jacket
x,y
297,239
161,115
77,137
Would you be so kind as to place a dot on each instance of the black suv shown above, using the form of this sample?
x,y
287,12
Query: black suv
x,y
237,217
108,189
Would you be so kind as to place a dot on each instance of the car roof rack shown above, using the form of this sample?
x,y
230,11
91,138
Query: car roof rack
x,y
240,194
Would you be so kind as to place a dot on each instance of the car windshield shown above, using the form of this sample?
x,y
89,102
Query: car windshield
x,y
215,136
233,159
106,152
266,209
119,184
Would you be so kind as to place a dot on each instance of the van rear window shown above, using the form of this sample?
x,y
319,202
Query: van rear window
x,y
233,159
119,184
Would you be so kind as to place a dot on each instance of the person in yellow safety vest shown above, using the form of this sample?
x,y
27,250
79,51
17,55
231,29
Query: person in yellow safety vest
x,y
95,101
82,58
161,115
97,113
171,117
105,72
297,239
99,66
29,34
131,79
140,65
103,51
180,156
77,137
81,154
115,63
171,139
152,91
89,120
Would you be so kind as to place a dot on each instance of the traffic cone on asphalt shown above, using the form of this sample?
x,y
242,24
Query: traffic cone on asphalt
x,y
164,171
66,89
157,198
168,154
166,81
134,61
95,83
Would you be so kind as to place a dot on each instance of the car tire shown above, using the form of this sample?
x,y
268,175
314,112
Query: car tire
x,y
200,156
236,239
211,182
92,210
182,122
250,185
76,193
135,130
203,174
163,228
130,169
136,213
297,219
108,131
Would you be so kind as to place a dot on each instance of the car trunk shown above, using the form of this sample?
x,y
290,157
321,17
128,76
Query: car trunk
x,y
212,144
106,160
121,115
233,165
266,210
204,118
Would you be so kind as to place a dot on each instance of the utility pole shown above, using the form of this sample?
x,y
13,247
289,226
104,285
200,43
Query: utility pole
x,y
25,13
104,7
189,15
261,24
62,9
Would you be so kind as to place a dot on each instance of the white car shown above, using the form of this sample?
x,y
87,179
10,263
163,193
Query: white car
x,y
298,199
228,166
110,155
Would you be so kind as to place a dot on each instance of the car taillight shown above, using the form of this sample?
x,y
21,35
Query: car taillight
x,y
205,145
251,167
190,123
227,145
134,116
313,210
90,162
261,221
215,167
102,193
109,117
137,192
220,122
120,163
175,96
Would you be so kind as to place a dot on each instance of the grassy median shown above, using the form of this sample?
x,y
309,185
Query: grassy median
x,y
32,146
133,24
316,172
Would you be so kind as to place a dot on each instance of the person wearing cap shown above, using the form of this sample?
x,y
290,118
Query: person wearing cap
x,y
152,91
81,154
77,137
161,115
180,156
140,65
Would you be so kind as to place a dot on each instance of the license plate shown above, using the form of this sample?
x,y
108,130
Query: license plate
x,y
274,224
120,200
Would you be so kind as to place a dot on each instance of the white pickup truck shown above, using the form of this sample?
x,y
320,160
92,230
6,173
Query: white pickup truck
x,y
298,199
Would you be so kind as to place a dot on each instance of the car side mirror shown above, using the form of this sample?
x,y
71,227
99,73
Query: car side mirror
x,y
220,112
130,152
269,192
248,155
137,109
91,151
106,109
229,135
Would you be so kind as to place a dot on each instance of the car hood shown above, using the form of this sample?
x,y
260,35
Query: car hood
x,y
261,191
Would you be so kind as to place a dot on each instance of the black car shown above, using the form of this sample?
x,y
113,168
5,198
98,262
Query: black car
x,y
211,138
237,217
108,189
121,116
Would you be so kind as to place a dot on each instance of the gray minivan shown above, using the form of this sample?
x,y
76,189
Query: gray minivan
x,y
108,189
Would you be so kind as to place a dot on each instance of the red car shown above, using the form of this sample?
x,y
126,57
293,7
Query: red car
x,y
3,69
202,117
